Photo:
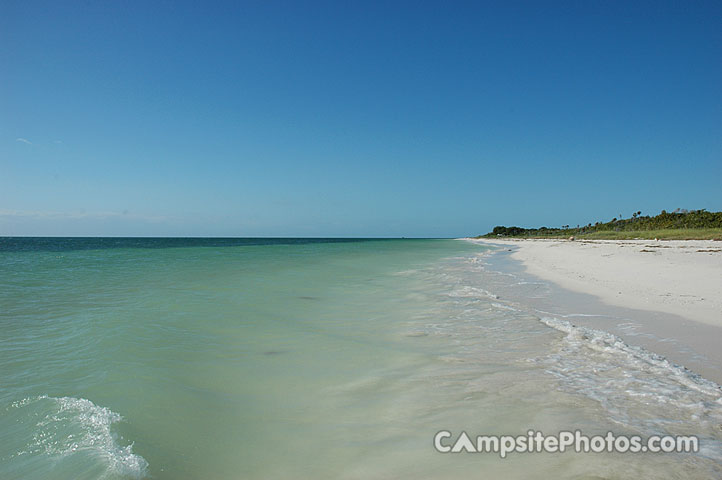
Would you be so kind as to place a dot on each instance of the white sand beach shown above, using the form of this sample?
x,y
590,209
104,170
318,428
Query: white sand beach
x,y
683,278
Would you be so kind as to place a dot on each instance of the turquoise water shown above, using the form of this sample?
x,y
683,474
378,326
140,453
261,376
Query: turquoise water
x,y
244,359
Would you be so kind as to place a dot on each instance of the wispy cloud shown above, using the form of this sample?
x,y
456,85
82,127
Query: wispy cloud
x,y
23,140
83,215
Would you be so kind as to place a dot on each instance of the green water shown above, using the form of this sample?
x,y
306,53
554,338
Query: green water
x,y
271,359
211,355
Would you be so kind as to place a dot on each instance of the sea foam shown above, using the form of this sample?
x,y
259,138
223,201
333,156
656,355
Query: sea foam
x,y
69,426
639,389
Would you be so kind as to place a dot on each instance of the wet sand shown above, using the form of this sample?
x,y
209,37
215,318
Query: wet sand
x,y
663,295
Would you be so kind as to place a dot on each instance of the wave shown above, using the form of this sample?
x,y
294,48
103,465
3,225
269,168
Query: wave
x,y
68,426
609,343
638,388
466,291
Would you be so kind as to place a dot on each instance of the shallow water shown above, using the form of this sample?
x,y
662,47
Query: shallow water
x,y
218,359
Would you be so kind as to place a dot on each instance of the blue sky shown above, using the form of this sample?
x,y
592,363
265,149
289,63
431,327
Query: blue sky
x,y
354,118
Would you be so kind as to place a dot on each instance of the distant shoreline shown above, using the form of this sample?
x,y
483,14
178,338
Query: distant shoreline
x,y
681,277
666,234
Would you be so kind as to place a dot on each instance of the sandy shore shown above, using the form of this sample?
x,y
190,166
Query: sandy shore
x,y
683,278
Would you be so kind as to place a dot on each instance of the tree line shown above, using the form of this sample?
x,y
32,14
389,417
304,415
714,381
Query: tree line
x,y
677,219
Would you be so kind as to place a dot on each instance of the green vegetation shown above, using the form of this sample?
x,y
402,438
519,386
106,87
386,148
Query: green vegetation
x,y
676,225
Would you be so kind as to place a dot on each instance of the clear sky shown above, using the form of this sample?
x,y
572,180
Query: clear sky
x,y
354,118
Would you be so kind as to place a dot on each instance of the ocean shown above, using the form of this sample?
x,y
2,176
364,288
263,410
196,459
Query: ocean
x,y
208,359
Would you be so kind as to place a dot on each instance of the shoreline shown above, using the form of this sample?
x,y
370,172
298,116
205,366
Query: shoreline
x,y
679,277
670,292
